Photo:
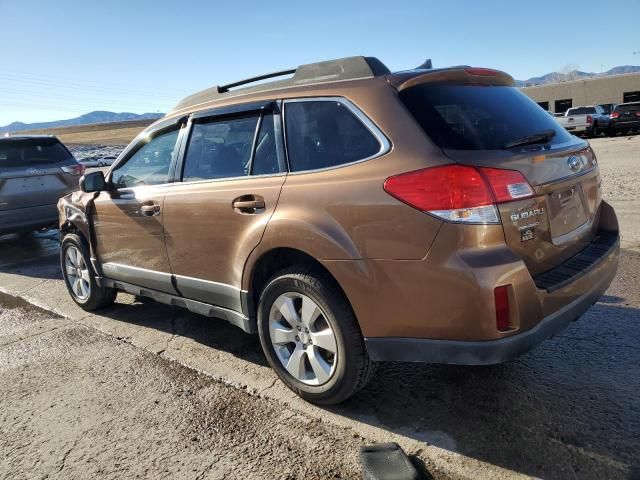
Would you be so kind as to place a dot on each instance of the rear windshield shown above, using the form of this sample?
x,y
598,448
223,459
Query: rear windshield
x,y
32,151
581,111
471,117
627,107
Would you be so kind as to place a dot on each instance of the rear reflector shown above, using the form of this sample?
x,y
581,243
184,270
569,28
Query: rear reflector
x,y
77,169
459,193
501,295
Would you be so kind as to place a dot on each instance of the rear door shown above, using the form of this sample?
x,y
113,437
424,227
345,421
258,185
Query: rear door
x,y
35,172
232,174
499,127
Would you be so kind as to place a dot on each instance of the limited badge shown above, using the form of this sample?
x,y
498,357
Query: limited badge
x,y
527,234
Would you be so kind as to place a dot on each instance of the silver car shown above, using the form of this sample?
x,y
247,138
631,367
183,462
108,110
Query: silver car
x,y
35,171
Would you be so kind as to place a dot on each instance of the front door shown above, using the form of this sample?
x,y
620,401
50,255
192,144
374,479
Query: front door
x,y
128,218
232,174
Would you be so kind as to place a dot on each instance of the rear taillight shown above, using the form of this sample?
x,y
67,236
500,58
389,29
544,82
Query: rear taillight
x,y
481,72
637,114
77,169
615,115
501,296
589,119
459,193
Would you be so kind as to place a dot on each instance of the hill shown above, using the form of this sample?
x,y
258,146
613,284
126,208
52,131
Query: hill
x,y
97,117
557,77
111,133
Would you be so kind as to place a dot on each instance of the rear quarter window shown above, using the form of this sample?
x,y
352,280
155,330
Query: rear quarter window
x,y
472,117
28,152
326,133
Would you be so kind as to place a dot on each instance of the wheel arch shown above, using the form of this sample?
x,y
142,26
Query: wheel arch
x,y
269,262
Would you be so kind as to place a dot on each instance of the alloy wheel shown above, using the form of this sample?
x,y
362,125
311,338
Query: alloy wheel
x,y
303,339
77,273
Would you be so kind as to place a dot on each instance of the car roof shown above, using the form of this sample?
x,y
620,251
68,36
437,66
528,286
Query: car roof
x,y
331,74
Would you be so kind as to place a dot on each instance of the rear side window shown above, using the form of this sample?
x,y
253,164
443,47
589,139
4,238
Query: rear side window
x,y
265,160
18,153
471,117
581,111
220,148
325,133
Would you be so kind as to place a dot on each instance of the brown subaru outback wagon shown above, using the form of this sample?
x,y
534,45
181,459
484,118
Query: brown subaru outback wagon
x,y
350,215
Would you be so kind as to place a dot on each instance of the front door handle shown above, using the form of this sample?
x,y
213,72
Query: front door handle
x,y
249,204
150,209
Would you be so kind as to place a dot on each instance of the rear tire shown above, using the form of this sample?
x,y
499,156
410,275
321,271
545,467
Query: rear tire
x,y
330,360
79,276
594,131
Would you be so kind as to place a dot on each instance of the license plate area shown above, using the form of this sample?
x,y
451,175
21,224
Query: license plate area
x,y
566,209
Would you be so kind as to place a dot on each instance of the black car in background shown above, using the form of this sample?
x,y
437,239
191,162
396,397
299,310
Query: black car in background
x,y
624,118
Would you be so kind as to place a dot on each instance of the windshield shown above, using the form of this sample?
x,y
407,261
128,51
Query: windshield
x,y
472,117
32,151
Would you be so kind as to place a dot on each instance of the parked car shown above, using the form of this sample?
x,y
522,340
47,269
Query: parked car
x,y
106,161
89,162
35,171
591,120
350,215
625,117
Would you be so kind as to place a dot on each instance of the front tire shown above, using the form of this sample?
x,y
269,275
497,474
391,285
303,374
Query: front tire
x,y
311,338
79,276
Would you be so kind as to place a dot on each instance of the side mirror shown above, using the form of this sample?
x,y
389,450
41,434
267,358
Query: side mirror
x,y
93,182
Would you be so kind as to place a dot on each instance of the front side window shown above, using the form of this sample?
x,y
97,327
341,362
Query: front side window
x,y
220,148
149,165
325,133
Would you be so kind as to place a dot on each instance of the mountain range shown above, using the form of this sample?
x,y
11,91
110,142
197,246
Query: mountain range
x,y
98,116
556,77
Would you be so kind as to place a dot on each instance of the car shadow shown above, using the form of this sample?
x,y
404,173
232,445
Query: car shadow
x,y
570,408
32,254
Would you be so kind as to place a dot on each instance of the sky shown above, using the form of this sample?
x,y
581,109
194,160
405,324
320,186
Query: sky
x,y
60,59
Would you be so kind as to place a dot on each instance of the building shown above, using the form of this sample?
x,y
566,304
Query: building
x,y
613,89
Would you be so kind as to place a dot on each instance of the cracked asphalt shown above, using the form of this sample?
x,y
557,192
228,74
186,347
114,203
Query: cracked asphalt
x,y
142,389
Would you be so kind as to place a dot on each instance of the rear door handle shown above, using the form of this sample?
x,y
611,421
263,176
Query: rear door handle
x,y
150,209
249,204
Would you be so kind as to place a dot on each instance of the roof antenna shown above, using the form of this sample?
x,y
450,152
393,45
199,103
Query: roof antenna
x,y
426,65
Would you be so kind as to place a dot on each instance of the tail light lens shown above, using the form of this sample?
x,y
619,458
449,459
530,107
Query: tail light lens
x,y
501,295
615,115
637,114
77,169
589,119
459,193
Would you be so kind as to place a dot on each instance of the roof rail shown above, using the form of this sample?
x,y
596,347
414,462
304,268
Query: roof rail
x,y
349,68
225,88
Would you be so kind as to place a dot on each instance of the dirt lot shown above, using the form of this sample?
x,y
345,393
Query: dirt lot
x,y
144,389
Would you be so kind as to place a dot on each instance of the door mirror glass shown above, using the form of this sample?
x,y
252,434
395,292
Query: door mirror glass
x,y
93,182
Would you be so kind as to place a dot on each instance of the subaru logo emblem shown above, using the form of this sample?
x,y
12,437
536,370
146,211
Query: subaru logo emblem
x,y
574,163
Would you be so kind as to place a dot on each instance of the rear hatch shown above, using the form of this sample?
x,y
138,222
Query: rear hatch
x,y
483,123
35,171
628,113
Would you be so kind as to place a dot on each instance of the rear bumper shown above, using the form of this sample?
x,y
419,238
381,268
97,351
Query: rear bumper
x,y
625,125
595,282
27,219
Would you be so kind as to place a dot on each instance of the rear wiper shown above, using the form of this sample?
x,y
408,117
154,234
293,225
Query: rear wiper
x,y
542,137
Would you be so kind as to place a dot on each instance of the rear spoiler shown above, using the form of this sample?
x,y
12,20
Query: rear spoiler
x,y
464,75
